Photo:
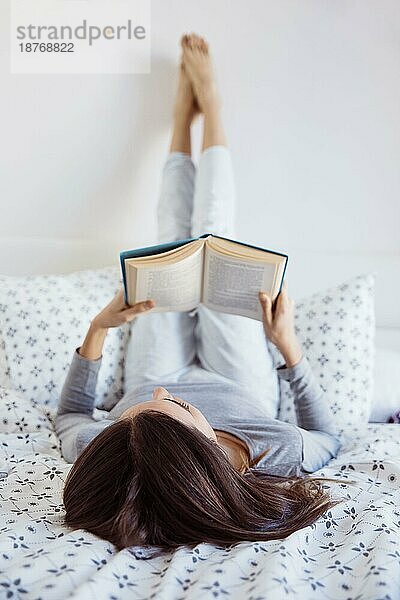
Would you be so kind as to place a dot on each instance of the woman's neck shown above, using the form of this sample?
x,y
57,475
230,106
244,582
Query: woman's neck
x,y
236,449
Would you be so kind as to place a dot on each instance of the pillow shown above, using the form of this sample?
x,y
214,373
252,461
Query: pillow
x,y
19,416
43,318
5,381
386,395
336,330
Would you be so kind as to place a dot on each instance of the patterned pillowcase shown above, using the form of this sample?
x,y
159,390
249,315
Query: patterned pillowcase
x,y
336,329
43,318
19,416
4,369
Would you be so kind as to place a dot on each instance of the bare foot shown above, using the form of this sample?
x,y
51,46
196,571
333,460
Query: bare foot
x,y
198,66
186,107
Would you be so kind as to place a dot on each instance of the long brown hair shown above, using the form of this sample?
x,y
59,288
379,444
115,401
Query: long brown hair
x,y
150,480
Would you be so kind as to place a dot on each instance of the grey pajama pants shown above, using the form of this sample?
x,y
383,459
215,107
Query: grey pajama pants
x,y
201,345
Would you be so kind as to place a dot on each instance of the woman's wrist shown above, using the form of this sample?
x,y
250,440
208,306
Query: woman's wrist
x,y
291,352
92,346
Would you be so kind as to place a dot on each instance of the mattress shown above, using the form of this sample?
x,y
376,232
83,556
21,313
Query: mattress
x,y
353,551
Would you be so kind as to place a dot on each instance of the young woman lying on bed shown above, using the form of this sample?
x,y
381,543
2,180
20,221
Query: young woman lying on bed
x,y
201,459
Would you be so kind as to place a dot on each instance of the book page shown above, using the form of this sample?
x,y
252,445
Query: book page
x,y
232,285
244,251
174,286
168,256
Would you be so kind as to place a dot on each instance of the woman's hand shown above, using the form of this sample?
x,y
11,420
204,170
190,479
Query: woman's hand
x,y
279,326
113,315
117,313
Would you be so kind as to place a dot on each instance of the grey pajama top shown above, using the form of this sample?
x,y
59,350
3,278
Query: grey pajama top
x,y
294,450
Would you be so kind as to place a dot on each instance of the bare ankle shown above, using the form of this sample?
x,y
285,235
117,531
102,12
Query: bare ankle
x,y
210,103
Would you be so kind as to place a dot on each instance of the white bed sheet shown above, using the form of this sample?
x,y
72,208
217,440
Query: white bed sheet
x,y
352,552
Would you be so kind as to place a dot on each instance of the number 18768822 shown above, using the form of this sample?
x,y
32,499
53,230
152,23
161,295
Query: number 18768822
x,y
47,47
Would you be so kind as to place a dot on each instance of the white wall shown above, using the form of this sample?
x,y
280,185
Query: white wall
x,y
311,92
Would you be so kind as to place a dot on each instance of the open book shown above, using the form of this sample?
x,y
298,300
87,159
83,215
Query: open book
x,y
220,273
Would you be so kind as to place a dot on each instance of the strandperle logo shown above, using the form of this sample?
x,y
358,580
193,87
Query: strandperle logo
x,y
85,31
85,36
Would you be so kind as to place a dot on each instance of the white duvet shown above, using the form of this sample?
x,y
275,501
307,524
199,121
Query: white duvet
x,y
353,552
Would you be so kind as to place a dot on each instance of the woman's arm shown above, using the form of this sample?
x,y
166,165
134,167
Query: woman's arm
x,y
312,411
314,415
78,393
93,343
74,419
74,415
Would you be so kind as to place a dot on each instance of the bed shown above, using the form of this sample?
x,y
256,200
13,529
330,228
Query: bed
x,y
352,552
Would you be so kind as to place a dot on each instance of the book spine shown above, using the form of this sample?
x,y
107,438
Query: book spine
x,y
123,273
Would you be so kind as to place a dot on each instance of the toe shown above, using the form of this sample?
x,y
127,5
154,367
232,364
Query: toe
x,y
196,40
199,42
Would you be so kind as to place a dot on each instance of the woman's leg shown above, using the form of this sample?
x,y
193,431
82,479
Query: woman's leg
x,y
228,345
162,345
213,209
175,205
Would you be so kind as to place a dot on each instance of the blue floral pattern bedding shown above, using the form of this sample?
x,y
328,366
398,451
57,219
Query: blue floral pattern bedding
x,y
352,552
